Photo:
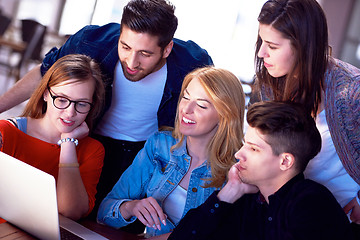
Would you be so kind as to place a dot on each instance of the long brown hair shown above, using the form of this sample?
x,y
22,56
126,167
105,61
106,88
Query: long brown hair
x,y
79,67
227,96
303,22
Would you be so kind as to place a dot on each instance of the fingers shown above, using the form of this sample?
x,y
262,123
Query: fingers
x,y
237,166
233,175
82,130
149,212
85,126
349,206
355,217
79,132
354,207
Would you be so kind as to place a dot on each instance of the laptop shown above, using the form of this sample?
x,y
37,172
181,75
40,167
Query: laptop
x,y
28,201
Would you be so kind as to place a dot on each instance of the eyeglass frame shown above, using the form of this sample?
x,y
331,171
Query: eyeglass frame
x,y
54,97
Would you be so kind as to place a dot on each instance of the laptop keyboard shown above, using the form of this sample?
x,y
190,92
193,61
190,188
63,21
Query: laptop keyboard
x,y
66,235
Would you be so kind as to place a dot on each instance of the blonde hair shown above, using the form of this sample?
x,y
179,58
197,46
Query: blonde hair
x,y
80,68
227,96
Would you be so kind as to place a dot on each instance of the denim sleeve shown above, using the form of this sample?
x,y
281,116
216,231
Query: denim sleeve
x,y
131,185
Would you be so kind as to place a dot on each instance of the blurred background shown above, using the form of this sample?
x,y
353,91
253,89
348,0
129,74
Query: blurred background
x,y
227,29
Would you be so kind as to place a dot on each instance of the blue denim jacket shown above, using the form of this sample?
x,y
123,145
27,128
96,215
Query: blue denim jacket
x,y
155,173
101,43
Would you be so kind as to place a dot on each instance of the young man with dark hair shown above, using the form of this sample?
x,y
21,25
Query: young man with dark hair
x,y
143,68
266,196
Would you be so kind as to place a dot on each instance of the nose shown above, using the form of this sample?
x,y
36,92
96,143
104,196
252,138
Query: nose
x,y
262,51
188,107
239,155
70,110
132,60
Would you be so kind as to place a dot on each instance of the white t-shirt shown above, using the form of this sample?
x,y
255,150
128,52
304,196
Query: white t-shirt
x,y
132,115
326,168
174,204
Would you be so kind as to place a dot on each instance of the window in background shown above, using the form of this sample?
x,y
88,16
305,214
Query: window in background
x,y
351,49
76,15
108,11
40,10
226,29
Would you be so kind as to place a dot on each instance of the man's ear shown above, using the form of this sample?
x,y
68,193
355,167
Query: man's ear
x,y
167,49
287,161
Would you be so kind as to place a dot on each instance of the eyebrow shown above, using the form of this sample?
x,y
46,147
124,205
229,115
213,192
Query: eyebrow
x,y
253,144
199,99
146,51
66,96
269,42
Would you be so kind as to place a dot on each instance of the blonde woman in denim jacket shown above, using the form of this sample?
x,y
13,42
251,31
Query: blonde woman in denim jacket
x,y
177,170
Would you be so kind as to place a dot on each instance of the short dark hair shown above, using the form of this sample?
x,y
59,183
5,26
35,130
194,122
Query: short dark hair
x,y
288,128
155,17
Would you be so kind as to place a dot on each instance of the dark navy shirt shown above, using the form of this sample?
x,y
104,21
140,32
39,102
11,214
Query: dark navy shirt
x,y
301,209
101,43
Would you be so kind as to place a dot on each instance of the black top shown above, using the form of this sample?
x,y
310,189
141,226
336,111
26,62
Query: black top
x,y
301,209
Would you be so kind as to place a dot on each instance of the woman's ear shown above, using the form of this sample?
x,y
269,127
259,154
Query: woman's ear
x,y
287,161
45,95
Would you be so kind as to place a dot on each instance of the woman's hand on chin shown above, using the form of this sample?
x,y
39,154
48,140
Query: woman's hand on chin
x,y
79,132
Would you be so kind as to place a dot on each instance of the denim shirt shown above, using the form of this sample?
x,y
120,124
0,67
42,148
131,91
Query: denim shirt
x,y
101,43
156,172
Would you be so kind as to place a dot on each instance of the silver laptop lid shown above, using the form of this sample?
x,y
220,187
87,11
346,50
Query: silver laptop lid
x,y
28,198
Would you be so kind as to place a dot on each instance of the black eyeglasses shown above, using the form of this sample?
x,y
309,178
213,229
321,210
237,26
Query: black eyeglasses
x,y
63,102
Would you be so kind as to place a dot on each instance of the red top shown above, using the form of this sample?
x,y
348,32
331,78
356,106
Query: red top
x,y
45,156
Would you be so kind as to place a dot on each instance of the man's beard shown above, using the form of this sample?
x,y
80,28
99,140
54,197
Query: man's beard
x,y
141,74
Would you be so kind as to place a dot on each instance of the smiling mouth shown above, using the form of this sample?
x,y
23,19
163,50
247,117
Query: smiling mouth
x,y
132,72
68,122
186,120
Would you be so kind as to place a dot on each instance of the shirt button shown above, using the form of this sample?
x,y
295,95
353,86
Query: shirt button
x,y
270,219
212,210
193,232
216,205
194,189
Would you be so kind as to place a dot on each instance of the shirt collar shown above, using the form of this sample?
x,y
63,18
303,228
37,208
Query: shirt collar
x,y
181,150
285,189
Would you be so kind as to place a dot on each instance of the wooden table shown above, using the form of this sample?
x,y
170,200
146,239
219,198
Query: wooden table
x,y
109,232
11,232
